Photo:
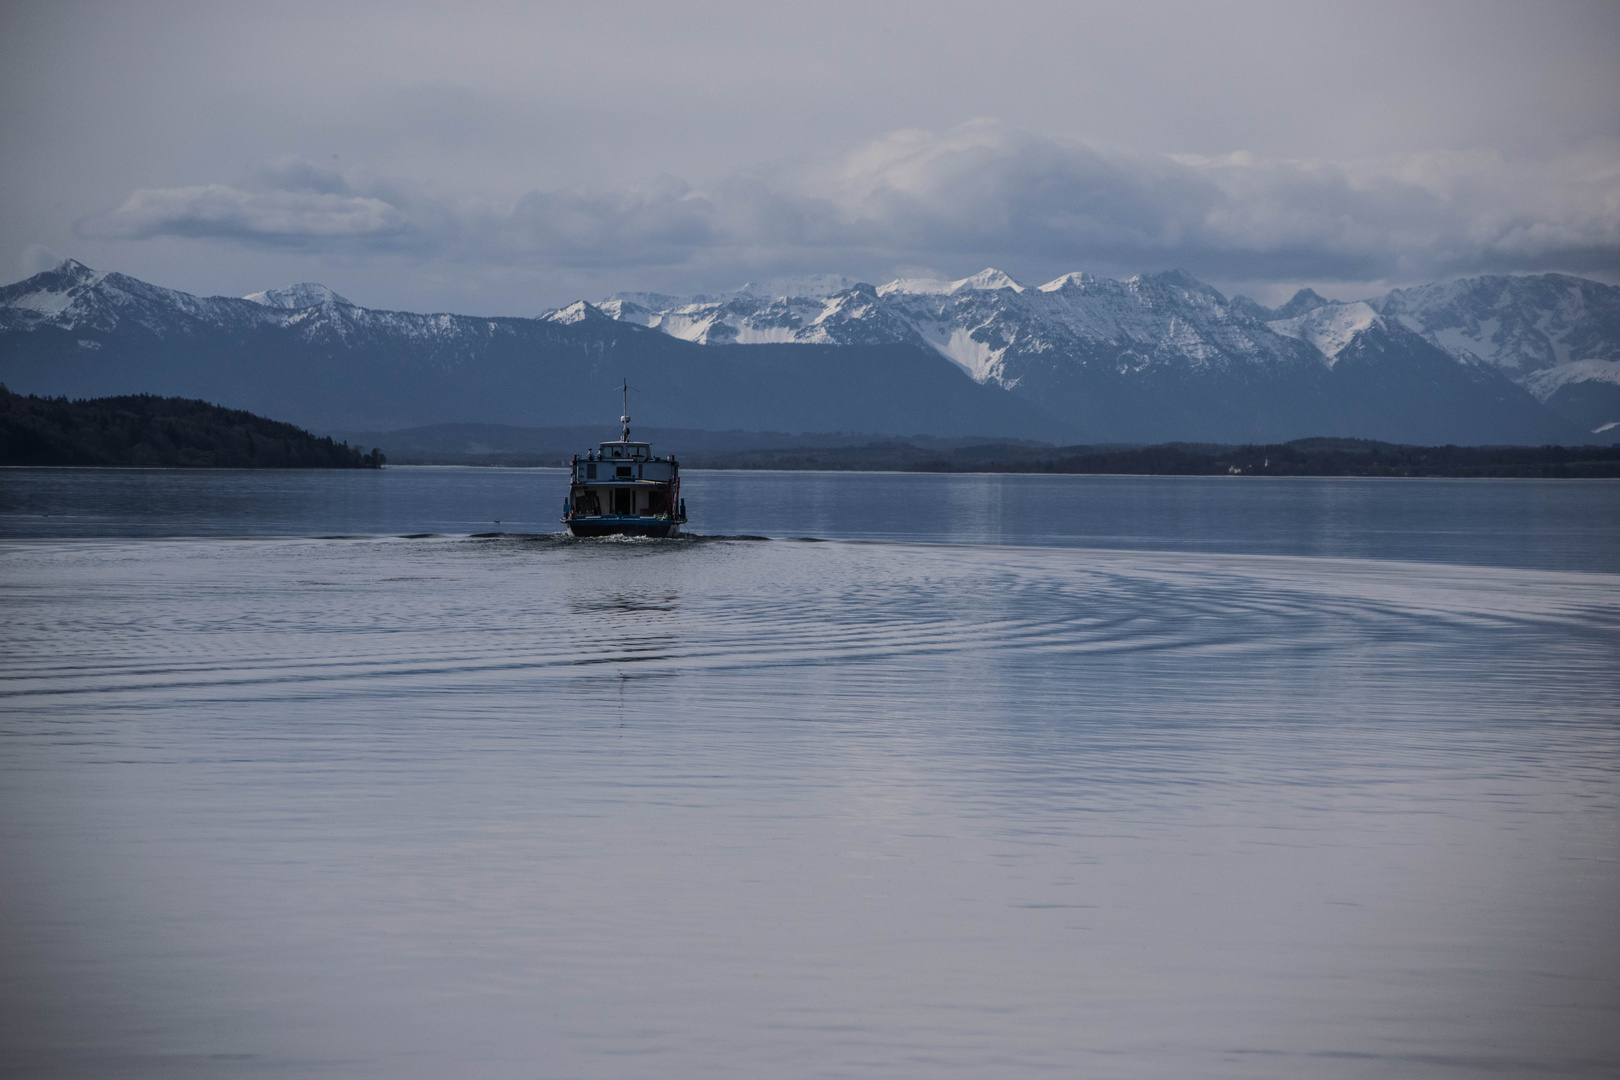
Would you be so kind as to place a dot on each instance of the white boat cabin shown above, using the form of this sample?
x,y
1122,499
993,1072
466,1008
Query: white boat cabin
x,y
623,479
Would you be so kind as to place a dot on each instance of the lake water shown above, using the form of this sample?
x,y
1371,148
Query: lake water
x,y
1011,777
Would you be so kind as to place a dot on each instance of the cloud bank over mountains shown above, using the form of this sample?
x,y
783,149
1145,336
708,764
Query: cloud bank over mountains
x,y
983,192
503,158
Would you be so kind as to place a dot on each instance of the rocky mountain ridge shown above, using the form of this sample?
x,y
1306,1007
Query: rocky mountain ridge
x,y
1555,336
1153,358
307,355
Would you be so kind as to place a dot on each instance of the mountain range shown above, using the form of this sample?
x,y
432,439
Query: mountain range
x,y
307,355
1166,356
1159,357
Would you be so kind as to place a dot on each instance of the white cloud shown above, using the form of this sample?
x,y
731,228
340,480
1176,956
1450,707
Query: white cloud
x,y
982,193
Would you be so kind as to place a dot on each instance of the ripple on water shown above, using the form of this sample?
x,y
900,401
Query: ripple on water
x,y
386,807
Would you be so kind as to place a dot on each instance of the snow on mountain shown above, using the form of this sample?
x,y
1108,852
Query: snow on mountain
x,y
1077,280
743,321
330,365
1330,327
987,279
623,310
1528,327
1157,356
851,316
303,295
918,287
1584,391
73,297
1547,382
54,291
993,327
1000,331
577,312
1101,350
806,285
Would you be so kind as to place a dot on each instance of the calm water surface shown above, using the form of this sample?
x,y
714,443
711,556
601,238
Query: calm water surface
x,y
1540,524
1047,776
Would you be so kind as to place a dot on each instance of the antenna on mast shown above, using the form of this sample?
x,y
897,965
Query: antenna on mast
x,y
625,419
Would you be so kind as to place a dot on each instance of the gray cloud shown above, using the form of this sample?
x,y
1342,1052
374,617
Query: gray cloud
x,y
216,211
661,224
509,150
296,174
980,193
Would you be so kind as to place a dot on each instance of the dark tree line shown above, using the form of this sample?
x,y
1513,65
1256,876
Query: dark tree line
x,y
143,430
1303,457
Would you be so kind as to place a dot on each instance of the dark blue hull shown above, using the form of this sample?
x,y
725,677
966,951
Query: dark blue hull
x,y
608,525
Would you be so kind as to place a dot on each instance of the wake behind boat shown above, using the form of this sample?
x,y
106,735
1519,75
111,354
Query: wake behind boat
x,y
621,489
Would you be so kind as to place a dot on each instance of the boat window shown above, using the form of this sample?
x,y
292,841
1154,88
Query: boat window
x,y
590,472
622,470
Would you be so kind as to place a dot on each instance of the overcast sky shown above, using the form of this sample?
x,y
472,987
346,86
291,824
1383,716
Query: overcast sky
x,y
518,157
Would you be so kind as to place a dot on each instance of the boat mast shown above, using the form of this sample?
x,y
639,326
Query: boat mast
x,y
625,419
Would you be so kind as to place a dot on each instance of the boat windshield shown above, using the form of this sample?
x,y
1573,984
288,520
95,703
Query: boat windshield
x,y
633,450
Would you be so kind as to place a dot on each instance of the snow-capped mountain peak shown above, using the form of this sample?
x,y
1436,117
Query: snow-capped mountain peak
x,y
987,279
52,292
916,287
577,312
305,294
76,273
1329,327
1067,281
72,296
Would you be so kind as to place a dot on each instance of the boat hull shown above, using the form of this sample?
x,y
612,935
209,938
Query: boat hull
x,y
623,526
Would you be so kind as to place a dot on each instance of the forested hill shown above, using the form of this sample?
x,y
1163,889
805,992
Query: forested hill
x,y
142,430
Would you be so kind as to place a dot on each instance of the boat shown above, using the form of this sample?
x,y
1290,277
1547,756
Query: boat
x,y
622,489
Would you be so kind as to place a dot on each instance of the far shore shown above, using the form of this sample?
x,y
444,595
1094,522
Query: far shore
x,y
1305,457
